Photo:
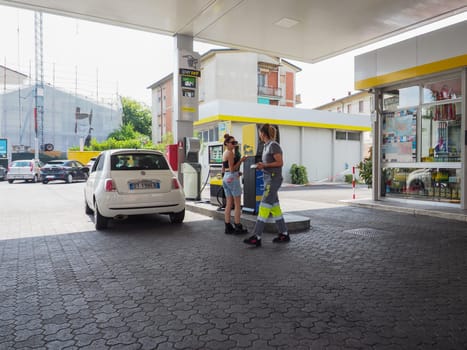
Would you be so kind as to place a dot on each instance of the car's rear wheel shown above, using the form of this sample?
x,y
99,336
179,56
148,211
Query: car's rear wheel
x,y
69,178
10,181
45,182
100,222
177,218
417,185
87,208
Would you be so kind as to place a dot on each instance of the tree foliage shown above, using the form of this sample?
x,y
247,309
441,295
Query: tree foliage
x,y
135,131
138,115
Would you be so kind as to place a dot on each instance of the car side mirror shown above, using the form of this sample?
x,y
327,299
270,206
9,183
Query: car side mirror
x,y
85,169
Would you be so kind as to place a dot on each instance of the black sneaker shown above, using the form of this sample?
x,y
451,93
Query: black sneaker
x,y
253,240
229,229
281,238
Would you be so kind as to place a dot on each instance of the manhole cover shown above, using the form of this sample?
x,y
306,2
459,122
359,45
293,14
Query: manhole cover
x,y
367,232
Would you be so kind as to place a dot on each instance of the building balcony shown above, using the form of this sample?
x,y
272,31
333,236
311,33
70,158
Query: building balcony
x,y
270,92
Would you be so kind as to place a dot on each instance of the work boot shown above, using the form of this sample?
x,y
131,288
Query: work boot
x,y
229,229
240,230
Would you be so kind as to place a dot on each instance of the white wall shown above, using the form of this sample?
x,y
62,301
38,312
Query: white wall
x,y
236,77
346,155
317,153
290,138
427,48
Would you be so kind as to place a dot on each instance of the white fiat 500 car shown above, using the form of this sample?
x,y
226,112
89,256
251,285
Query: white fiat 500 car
x,y
126,182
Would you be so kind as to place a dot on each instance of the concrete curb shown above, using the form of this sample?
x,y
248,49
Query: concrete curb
x,y
295,223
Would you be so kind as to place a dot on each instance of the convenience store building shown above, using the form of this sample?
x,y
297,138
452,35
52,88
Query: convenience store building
x,y
419,117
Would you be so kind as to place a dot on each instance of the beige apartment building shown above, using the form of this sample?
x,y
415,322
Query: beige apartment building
x,y
230,75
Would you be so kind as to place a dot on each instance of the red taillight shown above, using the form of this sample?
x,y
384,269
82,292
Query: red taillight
x,y
31,166
110,185
175,184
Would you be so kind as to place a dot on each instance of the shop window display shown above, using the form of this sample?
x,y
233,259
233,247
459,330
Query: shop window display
x,y
437,184
400,125
441,121
421,141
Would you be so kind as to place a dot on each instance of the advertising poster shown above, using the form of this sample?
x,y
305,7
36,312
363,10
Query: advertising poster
x,y
399,136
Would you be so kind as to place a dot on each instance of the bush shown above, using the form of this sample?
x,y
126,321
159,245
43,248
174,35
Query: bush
x,y
348,178
365,168
298,174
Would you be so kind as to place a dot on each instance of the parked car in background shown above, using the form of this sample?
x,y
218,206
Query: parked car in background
x,y
90,163
3,172
64,170
28,170
128,182
419,179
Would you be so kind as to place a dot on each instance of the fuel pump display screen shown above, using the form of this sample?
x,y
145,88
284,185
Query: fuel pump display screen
x,y
188,82
215,154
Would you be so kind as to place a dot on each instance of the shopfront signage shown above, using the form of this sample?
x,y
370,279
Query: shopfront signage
x,y
190,72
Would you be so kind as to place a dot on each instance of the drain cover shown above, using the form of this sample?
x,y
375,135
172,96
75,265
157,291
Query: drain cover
x,y
367,232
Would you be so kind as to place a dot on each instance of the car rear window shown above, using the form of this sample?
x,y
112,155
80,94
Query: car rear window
x,y
20,164
138,161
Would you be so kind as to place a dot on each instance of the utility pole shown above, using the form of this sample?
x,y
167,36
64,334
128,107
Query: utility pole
x,y
39,85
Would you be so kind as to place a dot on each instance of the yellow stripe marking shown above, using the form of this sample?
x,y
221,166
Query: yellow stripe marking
x,y
413,72
221,117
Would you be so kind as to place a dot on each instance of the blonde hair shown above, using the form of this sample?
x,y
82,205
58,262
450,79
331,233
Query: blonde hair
x,y
269,131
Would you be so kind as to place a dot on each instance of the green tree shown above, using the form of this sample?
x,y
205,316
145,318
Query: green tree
x,y
138,115
126,132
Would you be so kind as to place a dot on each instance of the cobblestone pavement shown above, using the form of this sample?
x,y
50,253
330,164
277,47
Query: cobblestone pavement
x,y
359,279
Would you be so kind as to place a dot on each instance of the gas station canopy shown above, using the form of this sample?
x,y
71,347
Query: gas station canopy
x,y
303,30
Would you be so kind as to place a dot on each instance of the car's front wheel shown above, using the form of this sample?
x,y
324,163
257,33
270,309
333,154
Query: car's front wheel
x,y
69,178
10,181
45,182
177,218
100,222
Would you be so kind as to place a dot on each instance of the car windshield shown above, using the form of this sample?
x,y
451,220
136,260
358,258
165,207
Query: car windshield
x,y
138,161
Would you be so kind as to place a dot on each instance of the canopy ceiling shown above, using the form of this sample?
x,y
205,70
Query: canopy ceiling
x,y
303,30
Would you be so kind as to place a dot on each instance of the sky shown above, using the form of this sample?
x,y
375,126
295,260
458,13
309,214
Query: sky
x,y
103,60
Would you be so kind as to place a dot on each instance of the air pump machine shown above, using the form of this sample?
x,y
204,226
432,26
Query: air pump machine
x,y
191,169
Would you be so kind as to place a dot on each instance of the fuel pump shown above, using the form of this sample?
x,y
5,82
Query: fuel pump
x,y
253,182
217,196
191,169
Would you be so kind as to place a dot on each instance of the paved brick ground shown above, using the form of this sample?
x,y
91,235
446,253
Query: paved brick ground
x,y
358,280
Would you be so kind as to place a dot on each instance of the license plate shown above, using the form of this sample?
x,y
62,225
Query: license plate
x,y
50,177
144,185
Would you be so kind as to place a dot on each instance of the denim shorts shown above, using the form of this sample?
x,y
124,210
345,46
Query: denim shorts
x,y
231,184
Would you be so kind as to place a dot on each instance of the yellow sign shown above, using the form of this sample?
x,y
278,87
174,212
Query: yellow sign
x,y
249,137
